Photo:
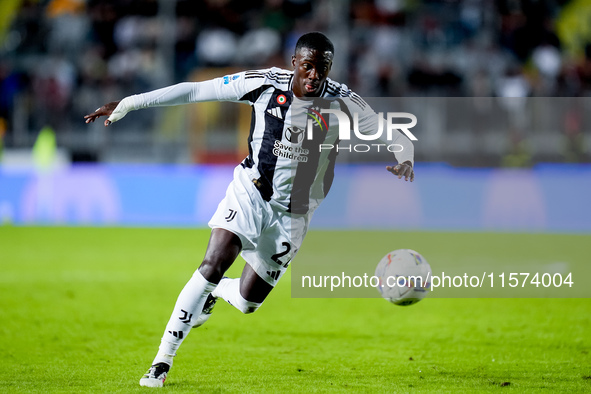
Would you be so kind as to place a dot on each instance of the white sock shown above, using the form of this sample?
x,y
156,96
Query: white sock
x,y
186,310
229,290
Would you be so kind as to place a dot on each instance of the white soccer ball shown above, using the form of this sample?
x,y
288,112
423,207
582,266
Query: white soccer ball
x,y
404,277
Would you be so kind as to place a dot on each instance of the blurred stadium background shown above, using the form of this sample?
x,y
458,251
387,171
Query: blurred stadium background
x,y
61,59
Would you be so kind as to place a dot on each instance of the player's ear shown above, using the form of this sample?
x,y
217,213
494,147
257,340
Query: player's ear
x,y
293,61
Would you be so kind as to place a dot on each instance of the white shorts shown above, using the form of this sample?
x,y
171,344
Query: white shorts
x,y
270,236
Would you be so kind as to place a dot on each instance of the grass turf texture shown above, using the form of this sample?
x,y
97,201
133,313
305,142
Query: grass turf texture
x,y
83,309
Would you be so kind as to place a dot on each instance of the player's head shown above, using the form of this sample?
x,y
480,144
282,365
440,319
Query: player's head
x,y
315,40
311,61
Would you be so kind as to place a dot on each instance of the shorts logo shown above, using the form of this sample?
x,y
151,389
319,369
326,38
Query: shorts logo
x,y
281,99
274,274
231,215
294,134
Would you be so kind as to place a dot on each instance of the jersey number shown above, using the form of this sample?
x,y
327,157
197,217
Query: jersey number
x,y
276,257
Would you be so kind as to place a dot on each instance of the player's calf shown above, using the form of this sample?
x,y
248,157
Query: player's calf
x,y
245,306
229,290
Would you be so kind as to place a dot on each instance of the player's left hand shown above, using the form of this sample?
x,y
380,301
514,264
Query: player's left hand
x,y
403,170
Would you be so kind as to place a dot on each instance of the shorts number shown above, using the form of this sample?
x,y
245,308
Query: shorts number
x,y
276,257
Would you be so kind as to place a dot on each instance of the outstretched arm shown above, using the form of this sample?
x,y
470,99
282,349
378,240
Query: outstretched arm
x,y
182,93
228,88
369,123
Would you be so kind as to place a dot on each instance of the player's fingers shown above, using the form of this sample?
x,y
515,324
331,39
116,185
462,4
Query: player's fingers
x,y
93,116
412,176
406,174
107,122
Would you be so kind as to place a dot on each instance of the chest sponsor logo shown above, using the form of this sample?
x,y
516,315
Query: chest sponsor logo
x,y
296,153
294,134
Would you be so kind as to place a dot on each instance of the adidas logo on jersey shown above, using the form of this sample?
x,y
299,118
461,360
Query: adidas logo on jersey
x,y
276,112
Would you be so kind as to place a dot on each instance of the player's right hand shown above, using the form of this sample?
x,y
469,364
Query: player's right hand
x,y
403,170
105,110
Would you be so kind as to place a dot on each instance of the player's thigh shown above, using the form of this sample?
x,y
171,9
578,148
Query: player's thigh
x,y
276,247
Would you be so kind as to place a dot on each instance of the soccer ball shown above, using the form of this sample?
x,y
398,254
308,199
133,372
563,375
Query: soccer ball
x,y
404,277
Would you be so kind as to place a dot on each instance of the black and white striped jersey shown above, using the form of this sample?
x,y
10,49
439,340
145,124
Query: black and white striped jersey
x,y
285,162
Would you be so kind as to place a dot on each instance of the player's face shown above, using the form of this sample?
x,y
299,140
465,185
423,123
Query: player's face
x,y
311,69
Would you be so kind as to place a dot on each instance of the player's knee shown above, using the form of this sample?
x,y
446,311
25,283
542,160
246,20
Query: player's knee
x,y
212,269
222,250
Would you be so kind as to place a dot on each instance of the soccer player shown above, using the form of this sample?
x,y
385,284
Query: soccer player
x,y
268,205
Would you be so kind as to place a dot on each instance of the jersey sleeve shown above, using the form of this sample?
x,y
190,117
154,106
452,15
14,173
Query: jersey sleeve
x,y
236,87
240,87
369,124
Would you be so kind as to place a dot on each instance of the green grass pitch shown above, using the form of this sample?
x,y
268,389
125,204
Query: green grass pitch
x,y
83,309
